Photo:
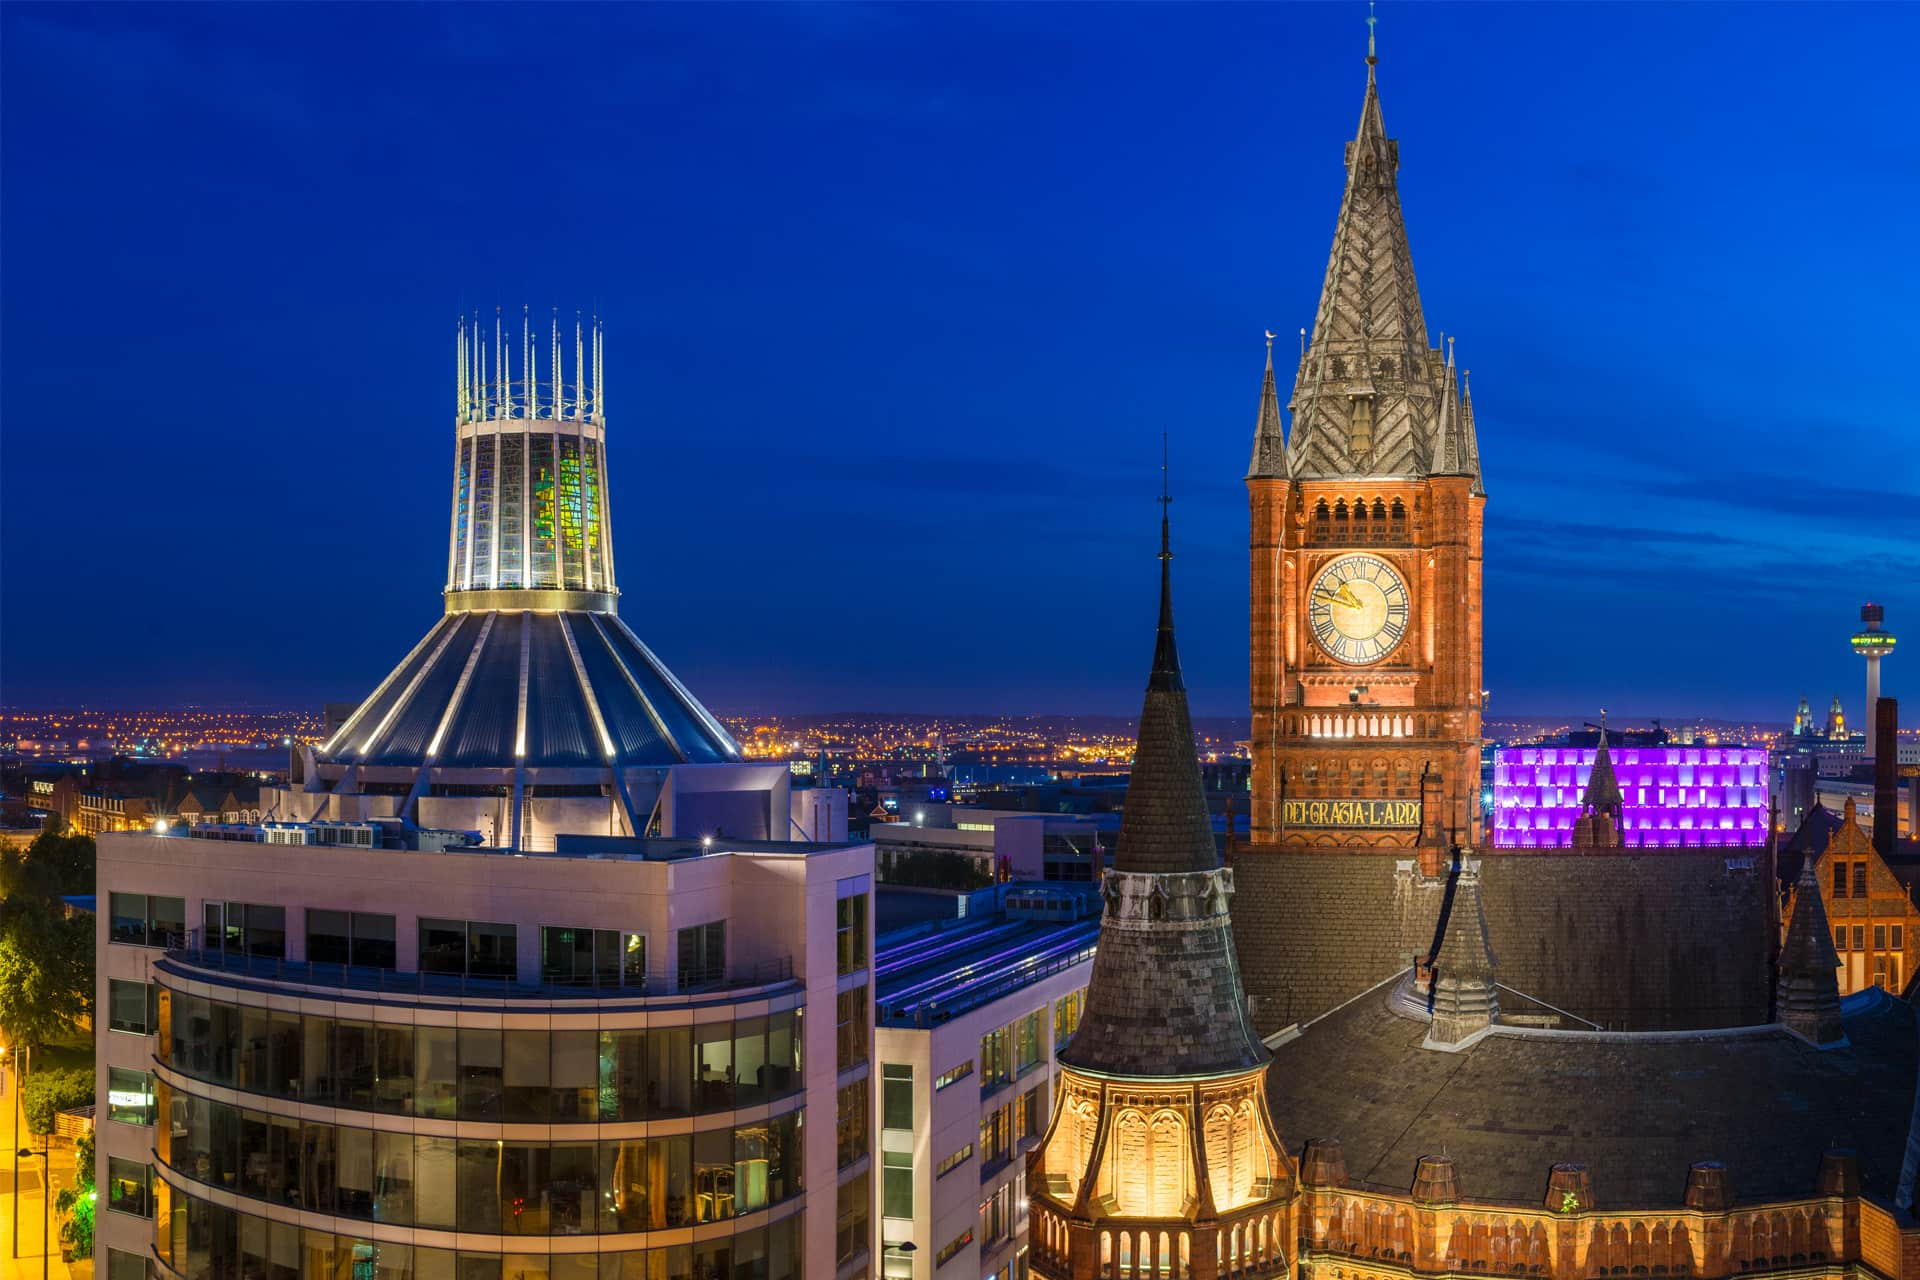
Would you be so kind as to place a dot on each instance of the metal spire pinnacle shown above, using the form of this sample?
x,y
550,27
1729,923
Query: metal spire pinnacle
x,y
1372,21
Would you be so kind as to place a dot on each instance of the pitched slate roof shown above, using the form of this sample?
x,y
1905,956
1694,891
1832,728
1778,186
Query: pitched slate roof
x,y
1637,1110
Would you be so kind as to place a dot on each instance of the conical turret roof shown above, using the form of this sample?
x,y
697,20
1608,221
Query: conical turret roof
x,y
1165,998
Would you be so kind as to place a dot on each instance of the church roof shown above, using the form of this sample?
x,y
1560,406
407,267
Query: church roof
x,y
1637,1110
1370,340
569,689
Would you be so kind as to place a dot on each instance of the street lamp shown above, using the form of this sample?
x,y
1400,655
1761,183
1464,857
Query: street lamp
x,y
22,1059
46,1204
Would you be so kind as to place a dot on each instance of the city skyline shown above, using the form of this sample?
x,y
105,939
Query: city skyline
x,y
951,394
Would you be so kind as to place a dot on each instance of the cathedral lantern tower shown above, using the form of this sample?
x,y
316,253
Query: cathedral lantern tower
x,y
531,710
1366,551
1161,1158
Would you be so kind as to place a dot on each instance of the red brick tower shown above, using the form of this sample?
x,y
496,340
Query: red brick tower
x,y
1366,552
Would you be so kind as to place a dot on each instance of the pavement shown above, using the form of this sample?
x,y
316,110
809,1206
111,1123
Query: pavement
x,y
23,1209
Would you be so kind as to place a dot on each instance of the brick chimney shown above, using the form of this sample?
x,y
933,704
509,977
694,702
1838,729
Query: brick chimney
x,y
1886,776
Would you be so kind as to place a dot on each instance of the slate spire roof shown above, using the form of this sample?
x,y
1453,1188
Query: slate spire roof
x,y
1165,825
1269,436
1372,398
1165,998
1603,789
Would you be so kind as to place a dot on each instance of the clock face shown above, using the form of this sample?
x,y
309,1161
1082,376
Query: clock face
x,y
1358,609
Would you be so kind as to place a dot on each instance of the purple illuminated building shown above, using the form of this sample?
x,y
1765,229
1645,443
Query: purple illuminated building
x,y
1672,797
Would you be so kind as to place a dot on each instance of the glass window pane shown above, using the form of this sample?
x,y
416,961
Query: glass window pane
x,y
783,1055
634,964
436,1072
266,931
669,1071
393,1178
670,1167
287,1054
129,917
490,950
750,1062
329,939
354,1178
353,1064
316,1074
479,1074
167,921
127,1005
896,1096
576,1075
572,1189
750,1150
443,946
374,941
393,1068
526,1075
253,1069
624,1088
713,1192
435,1178
625,1205
713,1065
129,1096
481,1179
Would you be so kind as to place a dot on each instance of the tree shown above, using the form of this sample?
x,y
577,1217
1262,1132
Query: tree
x,y
48,1093
76,1204
46,965
67,860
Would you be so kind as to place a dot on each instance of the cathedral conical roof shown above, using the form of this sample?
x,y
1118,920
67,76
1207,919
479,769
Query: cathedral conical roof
x,y
1165,998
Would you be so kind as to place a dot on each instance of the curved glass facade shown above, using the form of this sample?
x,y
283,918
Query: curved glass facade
x,y
480,1185
201,1239
484,1074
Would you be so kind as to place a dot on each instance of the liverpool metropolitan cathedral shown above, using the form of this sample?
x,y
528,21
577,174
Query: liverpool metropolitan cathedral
x,y
1368,1044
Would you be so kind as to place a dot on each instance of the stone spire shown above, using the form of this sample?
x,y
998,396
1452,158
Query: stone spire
x,y
1269,436
1368,394
1165,996
1465,1000
1472,461
1599,823
1809,986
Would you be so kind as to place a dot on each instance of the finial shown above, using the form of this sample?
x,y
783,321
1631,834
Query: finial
x,y
1303,342
1270,337
1166,500
1372,20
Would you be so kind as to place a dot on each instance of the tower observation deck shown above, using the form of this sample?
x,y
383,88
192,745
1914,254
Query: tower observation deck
x,y
1873,643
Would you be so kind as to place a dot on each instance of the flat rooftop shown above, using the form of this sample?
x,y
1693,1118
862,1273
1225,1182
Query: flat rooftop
x,y
928,973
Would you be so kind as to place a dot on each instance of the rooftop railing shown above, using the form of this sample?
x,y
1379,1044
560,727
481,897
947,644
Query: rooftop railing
x,y
185,950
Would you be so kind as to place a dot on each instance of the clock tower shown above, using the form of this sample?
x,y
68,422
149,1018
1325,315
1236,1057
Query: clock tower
x,y
1366,554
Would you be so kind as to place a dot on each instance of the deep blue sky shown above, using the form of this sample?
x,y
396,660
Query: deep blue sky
x,y
898,303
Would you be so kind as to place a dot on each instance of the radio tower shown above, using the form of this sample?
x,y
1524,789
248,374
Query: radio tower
x,y
1873,644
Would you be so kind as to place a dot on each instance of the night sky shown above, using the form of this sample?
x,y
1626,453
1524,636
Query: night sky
x,y
898,303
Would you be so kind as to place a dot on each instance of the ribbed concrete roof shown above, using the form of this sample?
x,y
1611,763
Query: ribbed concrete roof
x,y
489,689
